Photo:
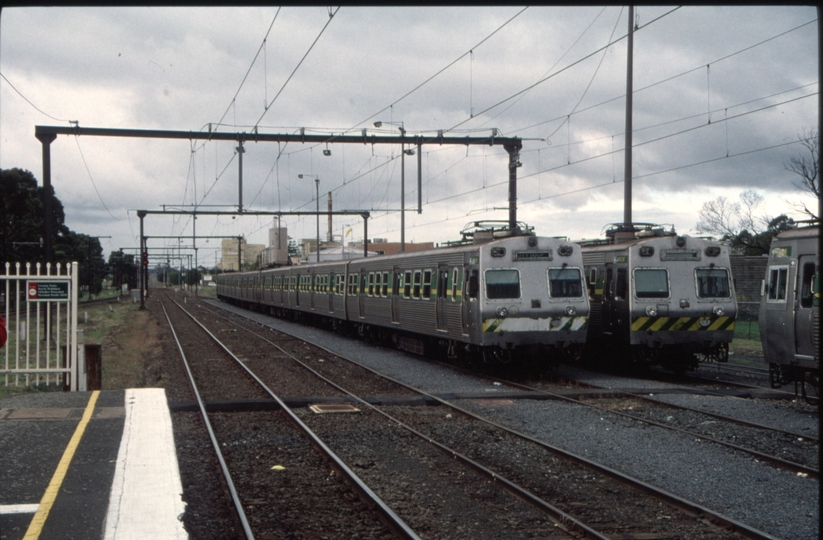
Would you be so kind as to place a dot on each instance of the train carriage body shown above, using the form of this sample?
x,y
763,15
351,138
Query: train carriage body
x,y
514,295
661,299
789,316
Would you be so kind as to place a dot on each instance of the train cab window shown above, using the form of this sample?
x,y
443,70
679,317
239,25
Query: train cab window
x,y
778,282
502,284
407,283
807,286
472,284
455,283
712,283
651,283
427,284
564,283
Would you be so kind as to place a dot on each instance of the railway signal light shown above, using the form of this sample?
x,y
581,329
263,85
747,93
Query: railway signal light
x,y
145,258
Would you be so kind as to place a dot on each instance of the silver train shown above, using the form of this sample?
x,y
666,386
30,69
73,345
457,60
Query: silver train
x,y
505,300
659,299
789,316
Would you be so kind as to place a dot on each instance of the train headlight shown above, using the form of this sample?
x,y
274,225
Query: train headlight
x,y
571,311
718,310
684,303
502,312
651,311
565,251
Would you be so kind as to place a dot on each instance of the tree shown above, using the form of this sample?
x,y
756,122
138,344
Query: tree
x,y
736,223
21,224
806,167
123,268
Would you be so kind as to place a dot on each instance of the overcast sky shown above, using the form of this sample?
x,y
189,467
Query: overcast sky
x,y
721,95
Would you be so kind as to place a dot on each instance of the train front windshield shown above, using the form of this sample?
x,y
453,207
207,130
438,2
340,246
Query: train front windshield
x,y
565,283
713,283
651,283
502,284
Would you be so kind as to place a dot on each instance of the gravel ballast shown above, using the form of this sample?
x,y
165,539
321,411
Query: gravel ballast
x,y
781,503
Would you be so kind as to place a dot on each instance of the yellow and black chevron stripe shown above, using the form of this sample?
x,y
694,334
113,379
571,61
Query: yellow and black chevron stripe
x,y
673,324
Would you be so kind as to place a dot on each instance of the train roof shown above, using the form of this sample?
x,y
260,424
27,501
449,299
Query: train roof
x,y
606,245
801,232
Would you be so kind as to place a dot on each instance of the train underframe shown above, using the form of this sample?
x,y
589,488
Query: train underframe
x,y
533,356
608,351
806,380
679,357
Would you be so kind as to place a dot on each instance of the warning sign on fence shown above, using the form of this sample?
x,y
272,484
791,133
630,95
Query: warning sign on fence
x,y
47,291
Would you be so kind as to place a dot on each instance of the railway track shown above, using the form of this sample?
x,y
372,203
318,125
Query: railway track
x,y
590,492
249,497
799,452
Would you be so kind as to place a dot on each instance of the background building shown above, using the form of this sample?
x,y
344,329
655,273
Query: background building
x,y
250,255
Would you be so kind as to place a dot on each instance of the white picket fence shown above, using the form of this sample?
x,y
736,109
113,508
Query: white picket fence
x,y
40,310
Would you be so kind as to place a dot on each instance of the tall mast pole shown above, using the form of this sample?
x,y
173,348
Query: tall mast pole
x,y
627,183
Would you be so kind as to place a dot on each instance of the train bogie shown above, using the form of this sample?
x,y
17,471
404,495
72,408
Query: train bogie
x,y
789,317
661,299
502,299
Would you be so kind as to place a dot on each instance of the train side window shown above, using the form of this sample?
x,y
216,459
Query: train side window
x,y
620,286
416,285
472,284
778,282
427,284
609,288
650,282
407,284
807,286
384,292
371,284
591,282
455,283
503,283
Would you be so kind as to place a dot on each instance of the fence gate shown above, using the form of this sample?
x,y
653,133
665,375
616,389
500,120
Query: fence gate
x,y
41,321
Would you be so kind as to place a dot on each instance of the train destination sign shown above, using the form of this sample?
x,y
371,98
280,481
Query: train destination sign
x,y
532,255
47,291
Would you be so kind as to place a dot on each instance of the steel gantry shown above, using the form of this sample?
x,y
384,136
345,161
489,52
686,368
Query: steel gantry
x,y
47,134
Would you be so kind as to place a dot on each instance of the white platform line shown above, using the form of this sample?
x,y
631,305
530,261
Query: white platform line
x,y
146,492
18,508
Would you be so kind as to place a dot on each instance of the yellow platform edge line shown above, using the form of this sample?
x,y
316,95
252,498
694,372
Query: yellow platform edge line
x,y
39,519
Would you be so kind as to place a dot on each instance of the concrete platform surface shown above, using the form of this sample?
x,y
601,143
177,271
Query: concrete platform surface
x,y
89,465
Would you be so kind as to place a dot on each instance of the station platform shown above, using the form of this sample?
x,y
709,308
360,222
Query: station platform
x,y
87,465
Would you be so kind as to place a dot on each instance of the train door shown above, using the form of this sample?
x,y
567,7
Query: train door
x,y
440,299
361,297
471,289
330,286
805,308
395,295
608,309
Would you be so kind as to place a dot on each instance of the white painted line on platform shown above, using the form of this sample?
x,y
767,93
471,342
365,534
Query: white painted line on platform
x,y
146,493
18,508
